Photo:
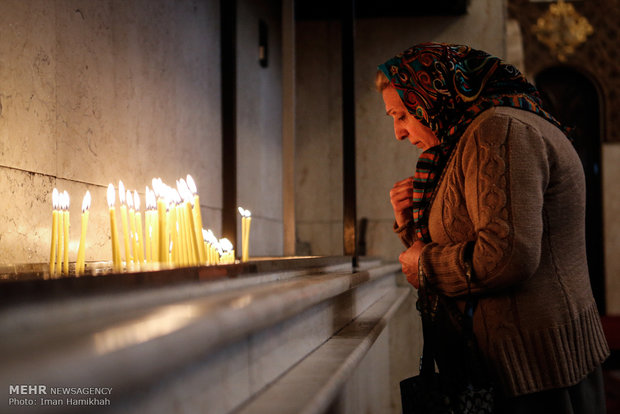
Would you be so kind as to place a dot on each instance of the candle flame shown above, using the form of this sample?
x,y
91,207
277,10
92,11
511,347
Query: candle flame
x,y
191,185
155,185
86,202
129,200
55,199
226,245
111,195
176,197
65,200
121,192
244,212
150,199
209,237
136,199
185,192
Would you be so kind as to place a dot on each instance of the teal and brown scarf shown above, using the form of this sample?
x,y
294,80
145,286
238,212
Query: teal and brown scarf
x,y
445,87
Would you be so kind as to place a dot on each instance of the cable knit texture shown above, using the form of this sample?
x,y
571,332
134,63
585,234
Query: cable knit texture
x,y
514,188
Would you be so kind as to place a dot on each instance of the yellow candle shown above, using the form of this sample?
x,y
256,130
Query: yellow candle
x,y
193,233
227,251
175,252
242,213
65,261
59,255
148,231
132,228
246,248
209,237
155,229
116,255
124,221
191,185
206,246
245,233
79,264
54,231
161,221
136,200
147,227
171,224
181,249
183,239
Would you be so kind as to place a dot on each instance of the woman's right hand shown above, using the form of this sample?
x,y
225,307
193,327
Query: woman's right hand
x,y
401,197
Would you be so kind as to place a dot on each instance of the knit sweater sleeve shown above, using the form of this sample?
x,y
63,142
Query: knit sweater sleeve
x,y
505,171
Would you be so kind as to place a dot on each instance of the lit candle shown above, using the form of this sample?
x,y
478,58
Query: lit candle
x,y
124,221
116,255
148,225
171,232
192,230
155,226
79,263
191,185
227,253
246,248
243,220
65,262
61,216
132,228
211,242
206,246
161,220
177,249
246,218
181,240
151,229
136,200
54,231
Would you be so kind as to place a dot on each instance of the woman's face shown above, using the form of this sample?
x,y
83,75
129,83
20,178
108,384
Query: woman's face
x,y
405,124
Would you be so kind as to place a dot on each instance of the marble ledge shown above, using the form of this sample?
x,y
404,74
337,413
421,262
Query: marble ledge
x,y
323,372
121,334
26,305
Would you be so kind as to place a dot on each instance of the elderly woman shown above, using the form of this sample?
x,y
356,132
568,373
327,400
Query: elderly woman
x,y
498,191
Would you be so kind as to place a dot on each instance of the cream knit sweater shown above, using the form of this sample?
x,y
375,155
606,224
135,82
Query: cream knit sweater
x,y
514,189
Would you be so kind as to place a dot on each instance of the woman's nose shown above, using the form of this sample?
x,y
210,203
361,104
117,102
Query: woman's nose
x,y
401,133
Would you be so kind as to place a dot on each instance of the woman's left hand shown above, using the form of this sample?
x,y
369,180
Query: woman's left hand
x,y
409,261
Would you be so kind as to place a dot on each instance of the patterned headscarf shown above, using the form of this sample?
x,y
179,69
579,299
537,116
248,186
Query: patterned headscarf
x,y
445,87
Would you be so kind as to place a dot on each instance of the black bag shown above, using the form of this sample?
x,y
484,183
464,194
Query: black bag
x,y
429,392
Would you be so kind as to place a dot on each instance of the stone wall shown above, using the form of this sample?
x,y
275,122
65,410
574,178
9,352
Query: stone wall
x,y
381,160
96,91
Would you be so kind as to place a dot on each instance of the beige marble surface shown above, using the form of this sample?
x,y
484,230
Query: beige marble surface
x,y
96,92
380,159
28,86
198,345
318,161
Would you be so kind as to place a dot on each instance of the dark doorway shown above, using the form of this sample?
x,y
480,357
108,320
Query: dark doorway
x,y
574,99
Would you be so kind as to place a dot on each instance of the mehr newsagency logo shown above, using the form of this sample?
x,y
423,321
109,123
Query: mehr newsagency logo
x,y
43,395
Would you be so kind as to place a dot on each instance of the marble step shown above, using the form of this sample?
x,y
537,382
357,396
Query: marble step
x,y
323,373
176,338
